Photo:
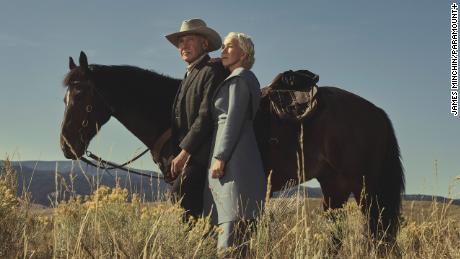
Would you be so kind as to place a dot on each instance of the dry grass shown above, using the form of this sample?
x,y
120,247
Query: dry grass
x,y
112,224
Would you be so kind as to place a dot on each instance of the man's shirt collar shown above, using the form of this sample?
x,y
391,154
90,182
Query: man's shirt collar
x,y
194,63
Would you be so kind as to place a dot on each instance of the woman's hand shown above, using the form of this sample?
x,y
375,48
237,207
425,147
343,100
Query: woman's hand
x,y
217,169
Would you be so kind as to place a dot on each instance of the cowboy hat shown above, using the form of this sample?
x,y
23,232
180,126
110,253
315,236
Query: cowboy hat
x,y
196,26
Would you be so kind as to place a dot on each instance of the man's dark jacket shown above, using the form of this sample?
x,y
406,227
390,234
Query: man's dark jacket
x,y
192,121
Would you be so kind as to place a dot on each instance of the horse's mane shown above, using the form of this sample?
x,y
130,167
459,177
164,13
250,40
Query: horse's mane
x,y
123,78
138,76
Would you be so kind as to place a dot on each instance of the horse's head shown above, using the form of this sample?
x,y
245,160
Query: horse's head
x,y
85,109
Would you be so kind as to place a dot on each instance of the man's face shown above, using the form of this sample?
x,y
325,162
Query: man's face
x,y
192,47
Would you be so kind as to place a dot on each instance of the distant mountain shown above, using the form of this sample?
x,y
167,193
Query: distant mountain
x,y
313,192
40,177
423,197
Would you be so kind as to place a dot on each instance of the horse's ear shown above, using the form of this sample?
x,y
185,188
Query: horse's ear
x,y
83,61
71,63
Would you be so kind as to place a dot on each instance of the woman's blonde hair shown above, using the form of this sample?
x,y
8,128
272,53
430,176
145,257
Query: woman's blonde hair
x,y
246,45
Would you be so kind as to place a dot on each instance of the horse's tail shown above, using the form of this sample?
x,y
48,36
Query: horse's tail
x,y
391,186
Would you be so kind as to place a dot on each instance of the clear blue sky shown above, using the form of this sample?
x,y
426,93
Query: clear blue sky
x,y
394,54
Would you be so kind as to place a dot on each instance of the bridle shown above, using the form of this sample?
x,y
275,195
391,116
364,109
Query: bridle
x,y
107,165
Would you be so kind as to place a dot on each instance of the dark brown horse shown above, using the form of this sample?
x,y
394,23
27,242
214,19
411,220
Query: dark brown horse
x,y
347,145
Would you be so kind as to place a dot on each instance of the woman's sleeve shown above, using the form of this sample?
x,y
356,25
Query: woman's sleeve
x,y
236,115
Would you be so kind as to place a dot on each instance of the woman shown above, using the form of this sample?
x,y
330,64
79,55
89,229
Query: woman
x,y
236,183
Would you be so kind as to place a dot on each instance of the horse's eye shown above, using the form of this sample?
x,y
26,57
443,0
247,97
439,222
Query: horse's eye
x,y
78,89
78,94
76,85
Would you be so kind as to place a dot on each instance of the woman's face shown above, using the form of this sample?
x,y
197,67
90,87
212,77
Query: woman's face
x,y
232,55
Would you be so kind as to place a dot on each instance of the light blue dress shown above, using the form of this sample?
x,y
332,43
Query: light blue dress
x,y
240,193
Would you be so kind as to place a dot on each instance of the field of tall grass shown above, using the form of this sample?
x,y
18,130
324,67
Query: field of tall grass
x,y
113,223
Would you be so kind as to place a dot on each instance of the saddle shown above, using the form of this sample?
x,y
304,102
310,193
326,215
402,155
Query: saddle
x,y
293,94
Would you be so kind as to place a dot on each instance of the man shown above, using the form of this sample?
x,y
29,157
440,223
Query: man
x,y
191,122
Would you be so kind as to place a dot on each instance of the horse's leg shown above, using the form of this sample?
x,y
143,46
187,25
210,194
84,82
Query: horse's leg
x,y
379,228
373,209
336,192
364,197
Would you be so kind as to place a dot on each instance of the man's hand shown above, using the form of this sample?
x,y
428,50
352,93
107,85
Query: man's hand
x,y
214,60
264,91
217,170
179,162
